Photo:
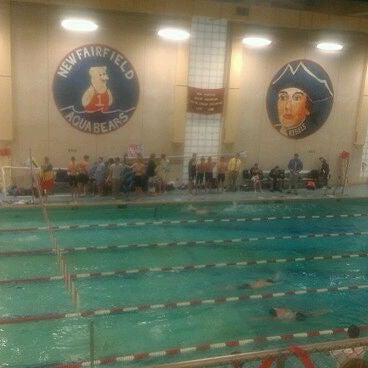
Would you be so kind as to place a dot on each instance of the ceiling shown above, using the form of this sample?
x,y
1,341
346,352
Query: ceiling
x,y
358,8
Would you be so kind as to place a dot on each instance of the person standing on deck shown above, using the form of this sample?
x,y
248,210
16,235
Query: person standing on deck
x,y
47,177
192,173
295,166
234,167
72,176
82,177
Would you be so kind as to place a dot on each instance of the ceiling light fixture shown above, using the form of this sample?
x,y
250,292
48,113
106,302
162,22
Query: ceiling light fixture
x,y
173,34
329,46
256,41
79,25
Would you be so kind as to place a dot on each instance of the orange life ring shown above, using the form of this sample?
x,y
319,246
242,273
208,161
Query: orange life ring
x,y
299,352
267,362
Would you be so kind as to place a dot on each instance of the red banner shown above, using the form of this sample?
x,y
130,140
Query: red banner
x,y
205,101
134,150
5,151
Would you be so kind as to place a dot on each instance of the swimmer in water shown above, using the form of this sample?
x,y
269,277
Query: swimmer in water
x,y
258,284
287,314
198,211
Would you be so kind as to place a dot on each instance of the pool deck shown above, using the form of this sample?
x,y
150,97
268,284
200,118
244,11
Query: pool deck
x,y
183,196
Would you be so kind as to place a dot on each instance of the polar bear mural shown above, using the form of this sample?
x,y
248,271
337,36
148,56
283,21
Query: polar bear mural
x,y
98,96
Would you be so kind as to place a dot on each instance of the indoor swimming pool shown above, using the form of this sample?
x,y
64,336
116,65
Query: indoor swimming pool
x,y
161,283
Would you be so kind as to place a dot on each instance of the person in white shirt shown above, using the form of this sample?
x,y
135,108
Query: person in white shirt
x,y
115,176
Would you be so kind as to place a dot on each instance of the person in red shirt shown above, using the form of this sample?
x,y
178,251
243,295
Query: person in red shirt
x,y
209,173
47,177
221,173
201,171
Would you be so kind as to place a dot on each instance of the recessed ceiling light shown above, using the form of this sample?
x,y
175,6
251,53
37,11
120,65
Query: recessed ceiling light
x,y
329,46
173,34
256,41
79,25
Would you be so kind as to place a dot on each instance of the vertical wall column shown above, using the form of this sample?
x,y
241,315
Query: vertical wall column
x,y
232,97
361,136
180,93
6,113
206,70
362,117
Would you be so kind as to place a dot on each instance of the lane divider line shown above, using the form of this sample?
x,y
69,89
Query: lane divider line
x,y
27,252
91,275
184,243
207,347
181,222
167,305
32,279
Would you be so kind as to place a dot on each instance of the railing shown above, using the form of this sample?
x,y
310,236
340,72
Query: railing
x,y
32,179
35,179
279,356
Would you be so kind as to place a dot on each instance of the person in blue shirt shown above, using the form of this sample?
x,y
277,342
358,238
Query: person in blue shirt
x,y
295,166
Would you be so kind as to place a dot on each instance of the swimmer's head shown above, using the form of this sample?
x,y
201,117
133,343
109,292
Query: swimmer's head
x,y
269,280
245,286
299,316
353,331
273,312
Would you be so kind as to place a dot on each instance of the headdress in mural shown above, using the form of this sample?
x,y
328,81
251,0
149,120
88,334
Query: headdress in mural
x,y
96,89
299,98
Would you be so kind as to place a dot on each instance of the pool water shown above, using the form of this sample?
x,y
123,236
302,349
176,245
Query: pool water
x,y
145,249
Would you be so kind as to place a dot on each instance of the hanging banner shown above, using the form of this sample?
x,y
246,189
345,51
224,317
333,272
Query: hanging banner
x,y
135,149
205,101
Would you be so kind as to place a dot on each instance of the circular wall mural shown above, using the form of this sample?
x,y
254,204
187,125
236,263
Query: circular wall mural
x,y
299,98
96,89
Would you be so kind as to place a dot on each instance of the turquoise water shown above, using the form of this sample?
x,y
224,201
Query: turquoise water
x,y
67,340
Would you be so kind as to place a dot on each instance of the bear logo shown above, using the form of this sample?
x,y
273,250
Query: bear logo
x,y
96,89
98,96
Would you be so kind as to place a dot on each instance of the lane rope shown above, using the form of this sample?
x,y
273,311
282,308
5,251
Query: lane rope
x,y
181,222
207,347
217,265
91,275
167,305
186,243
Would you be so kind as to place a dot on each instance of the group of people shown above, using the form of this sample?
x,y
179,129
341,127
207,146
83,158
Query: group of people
x,y
117,175
111,176
295,166
208,174
203,175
